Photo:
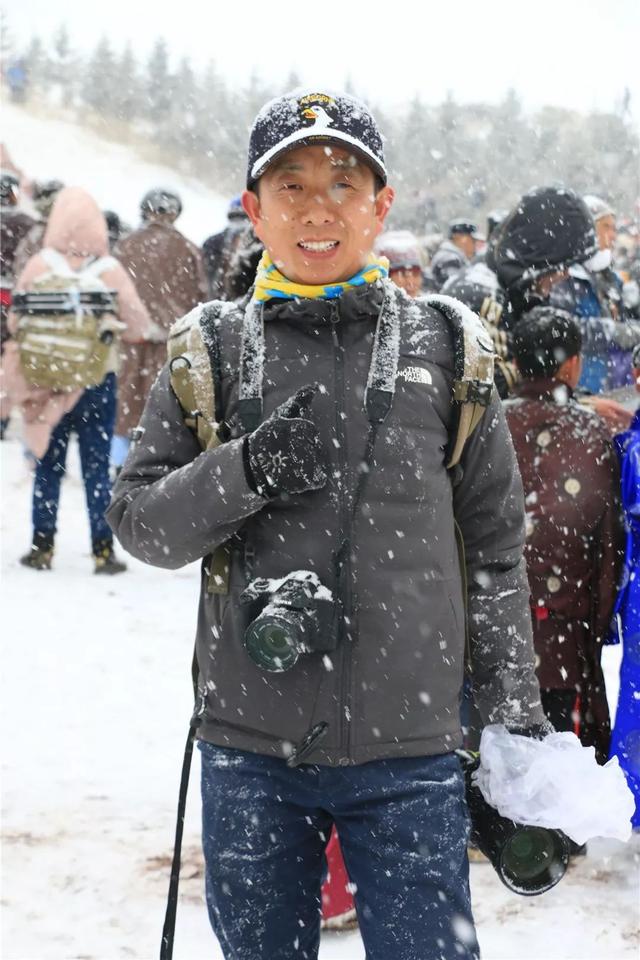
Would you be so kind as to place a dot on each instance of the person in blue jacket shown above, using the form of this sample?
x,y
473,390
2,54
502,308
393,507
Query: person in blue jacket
x,y
592,292
625,739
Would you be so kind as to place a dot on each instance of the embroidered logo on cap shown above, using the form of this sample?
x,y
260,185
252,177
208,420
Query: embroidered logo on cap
x,y
313,109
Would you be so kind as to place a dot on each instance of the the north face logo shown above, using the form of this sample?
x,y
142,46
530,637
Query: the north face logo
x,y
415,375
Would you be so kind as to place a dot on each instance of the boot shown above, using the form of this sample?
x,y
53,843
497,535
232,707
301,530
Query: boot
x,y
105,559
41,553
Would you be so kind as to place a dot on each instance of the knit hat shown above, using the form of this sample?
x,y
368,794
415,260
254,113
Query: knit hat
x,y
304,117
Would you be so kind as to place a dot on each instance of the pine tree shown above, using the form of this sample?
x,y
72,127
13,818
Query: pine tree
x,y
158,85
127,92
100,79
63,65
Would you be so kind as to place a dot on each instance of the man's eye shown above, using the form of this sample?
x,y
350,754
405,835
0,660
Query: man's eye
x,y
344,185
291,186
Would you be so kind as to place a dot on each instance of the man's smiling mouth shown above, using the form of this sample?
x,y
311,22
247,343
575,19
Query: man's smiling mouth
x,y
318,246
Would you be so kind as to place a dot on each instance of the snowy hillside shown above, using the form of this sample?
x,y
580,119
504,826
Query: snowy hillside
x,y
116,177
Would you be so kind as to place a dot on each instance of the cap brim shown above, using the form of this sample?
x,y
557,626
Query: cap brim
x,y
303,138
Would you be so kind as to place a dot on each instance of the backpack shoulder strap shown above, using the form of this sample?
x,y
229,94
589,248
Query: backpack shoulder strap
x,y
473,369
191,372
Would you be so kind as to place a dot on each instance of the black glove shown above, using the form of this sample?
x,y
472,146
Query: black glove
x,y
285,453
536,731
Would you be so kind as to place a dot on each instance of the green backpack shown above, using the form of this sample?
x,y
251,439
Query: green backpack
x,y
67,325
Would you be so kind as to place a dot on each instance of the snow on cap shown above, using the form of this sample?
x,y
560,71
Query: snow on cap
x,y
635,357
401,249
598,208
305,117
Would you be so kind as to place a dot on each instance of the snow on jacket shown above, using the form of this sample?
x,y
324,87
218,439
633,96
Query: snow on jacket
x,y
393,689
574,536
76,228
446,262
167,271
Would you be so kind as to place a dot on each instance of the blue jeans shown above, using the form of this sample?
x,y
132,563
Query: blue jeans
x,y
403,829
92,419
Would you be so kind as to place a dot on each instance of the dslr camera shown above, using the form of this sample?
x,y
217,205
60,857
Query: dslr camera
x,y
298,616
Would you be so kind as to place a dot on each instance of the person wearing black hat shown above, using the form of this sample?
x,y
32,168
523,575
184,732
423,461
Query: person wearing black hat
x,y
456,252
548,231
305,442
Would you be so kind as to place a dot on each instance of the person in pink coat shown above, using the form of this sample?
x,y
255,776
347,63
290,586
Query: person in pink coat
x,y
76,230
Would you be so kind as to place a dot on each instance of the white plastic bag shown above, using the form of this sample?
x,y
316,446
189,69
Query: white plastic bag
x,y
555,782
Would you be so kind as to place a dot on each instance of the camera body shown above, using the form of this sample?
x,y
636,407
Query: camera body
x,y
299,615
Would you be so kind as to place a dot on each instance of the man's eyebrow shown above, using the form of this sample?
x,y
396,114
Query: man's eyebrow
x,y
290,166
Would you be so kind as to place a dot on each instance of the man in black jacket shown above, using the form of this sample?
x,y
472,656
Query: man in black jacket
x,y
331,634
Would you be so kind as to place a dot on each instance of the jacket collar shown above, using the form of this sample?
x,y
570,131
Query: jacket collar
x,y
549,388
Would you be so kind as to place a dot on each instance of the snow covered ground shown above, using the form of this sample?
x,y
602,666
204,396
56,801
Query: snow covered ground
x,y
113,174
95,706
96,698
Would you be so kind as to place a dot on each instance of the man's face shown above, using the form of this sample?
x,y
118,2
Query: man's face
x,y
544,283
317,213
466,243
606,232
409,278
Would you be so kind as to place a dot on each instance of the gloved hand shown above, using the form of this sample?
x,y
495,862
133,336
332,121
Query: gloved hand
x,y
536,731
285,454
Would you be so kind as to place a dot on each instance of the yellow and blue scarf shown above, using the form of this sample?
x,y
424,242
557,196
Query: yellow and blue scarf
x,y
270,284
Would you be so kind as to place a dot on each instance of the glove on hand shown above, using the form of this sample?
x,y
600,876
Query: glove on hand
x,y
537,731
285,454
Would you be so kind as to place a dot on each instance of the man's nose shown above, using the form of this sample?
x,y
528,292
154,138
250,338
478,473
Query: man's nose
x,y
319,209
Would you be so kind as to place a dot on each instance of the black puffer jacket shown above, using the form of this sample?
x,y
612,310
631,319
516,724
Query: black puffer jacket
x,y
392,688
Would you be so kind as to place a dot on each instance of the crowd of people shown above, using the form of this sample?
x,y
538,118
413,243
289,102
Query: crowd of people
x,y
88,306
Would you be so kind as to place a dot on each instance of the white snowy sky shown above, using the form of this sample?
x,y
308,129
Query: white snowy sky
x,y
575,53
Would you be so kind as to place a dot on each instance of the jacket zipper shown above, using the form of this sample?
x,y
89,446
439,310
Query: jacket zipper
x,y
345,534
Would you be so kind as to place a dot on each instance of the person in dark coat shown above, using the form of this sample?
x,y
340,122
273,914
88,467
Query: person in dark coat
x,y
456,252
231,256
625,738
43,195
166,269
574,531
14,223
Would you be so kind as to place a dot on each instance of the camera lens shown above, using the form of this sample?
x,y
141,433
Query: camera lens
x,y
272,643
533,860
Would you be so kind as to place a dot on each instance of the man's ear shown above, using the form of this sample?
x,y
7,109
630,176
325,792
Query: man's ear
x,y
251,206
382,204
